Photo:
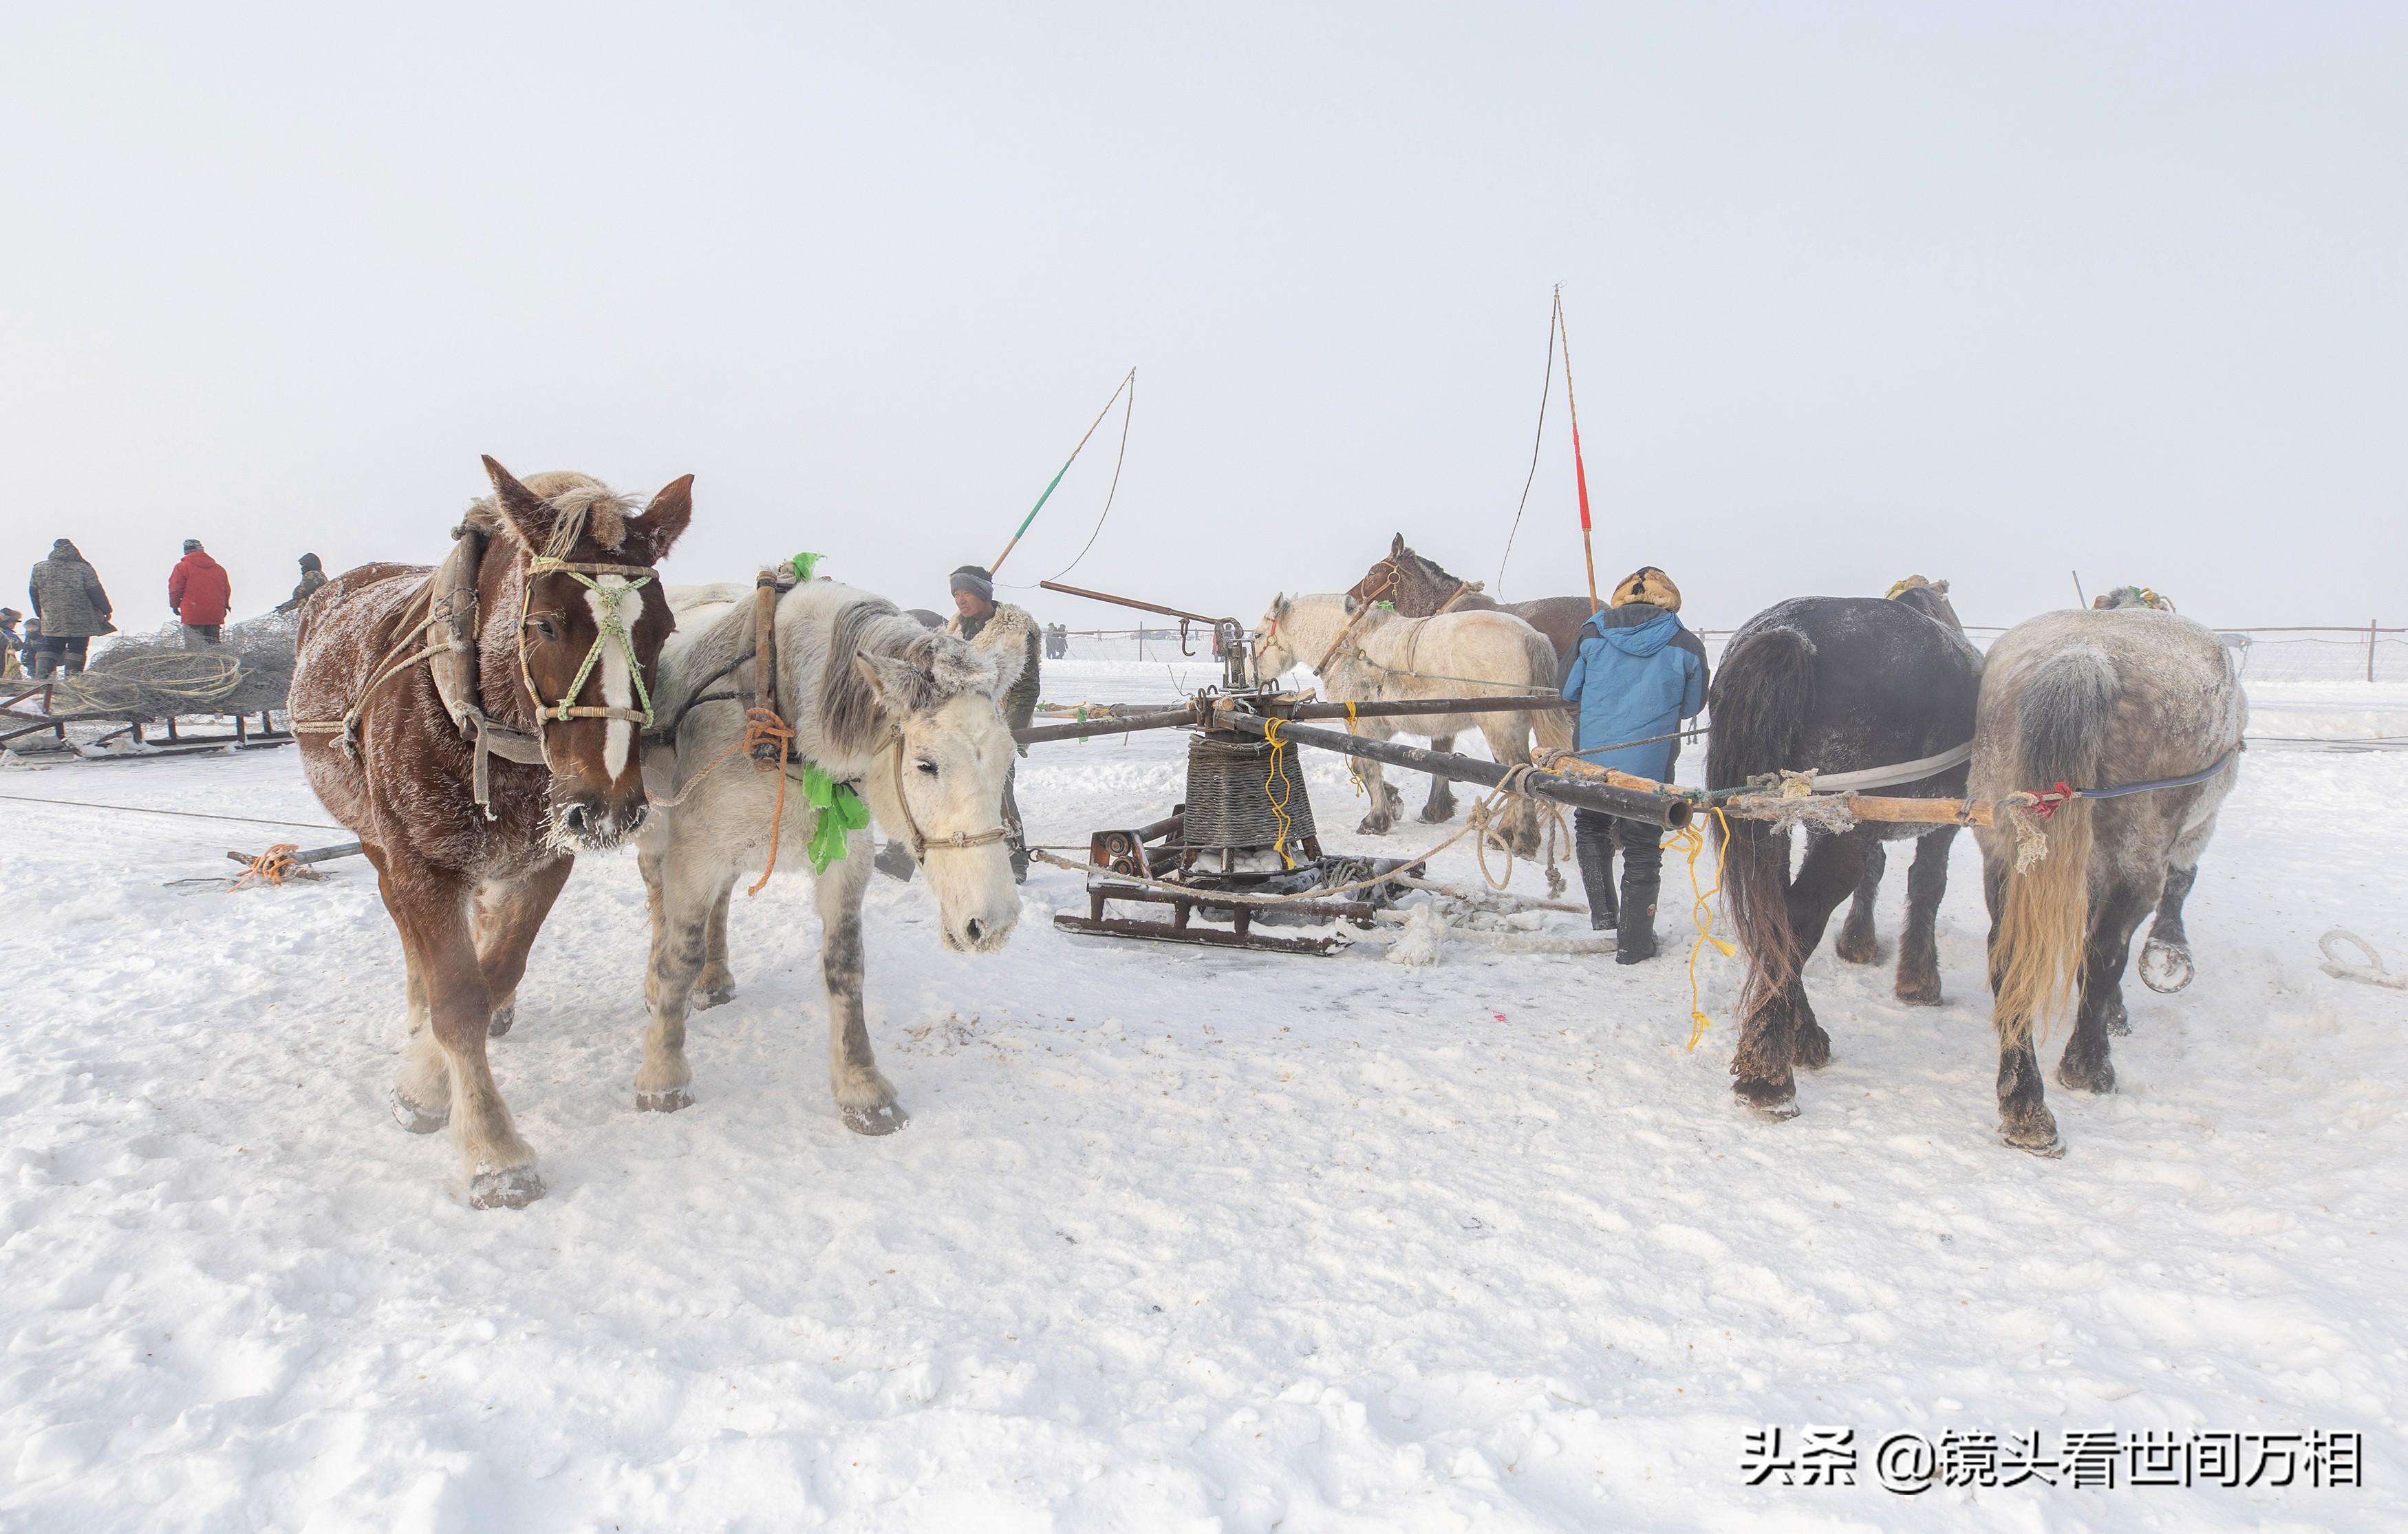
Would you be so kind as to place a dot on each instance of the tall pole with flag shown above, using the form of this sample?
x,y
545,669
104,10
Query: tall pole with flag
x,y
1580,466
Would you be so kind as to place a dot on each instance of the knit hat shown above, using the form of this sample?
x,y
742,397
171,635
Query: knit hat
x,y
192,546
309,562
1648,584
974,579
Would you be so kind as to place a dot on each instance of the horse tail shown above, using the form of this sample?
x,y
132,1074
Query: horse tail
x,y
2062,724
1552,727
1761,698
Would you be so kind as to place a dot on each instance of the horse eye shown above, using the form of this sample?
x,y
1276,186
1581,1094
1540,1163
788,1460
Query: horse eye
x,y
927,767
545,627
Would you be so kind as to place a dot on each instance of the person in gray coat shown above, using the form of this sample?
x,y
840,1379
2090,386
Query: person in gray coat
x,y
72,606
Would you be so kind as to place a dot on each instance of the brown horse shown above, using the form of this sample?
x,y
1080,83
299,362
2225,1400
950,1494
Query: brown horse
x,y
1418,586
553,588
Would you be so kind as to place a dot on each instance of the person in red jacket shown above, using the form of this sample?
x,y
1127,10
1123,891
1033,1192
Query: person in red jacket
x,y
199,593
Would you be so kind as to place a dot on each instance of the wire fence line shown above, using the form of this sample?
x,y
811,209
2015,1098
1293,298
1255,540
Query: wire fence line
x,y
2366,653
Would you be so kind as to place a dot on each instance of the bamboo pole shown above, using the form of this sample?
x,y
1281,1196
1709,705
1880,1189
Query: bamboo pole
x,y
1580,466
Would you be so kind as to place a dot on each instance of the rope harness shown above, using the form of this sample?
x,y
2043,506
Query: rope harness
x,y
449,627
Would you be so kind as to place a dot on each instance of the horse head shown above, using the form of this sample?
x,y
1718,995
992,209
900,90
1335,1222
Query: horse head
x,y
580,590
1275,652
944,782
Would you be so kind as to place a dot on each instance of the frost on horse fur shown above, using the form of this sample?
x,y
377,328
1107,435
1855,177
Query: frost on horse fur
x,y
874,700
468,886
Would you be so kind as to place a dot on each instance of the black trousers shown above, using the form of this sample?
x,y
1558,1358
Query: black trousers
x,y
1639,843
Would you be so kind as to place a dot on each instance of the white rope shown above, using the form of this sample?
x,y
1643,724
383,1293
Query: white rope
x,y
1880,777
2369,973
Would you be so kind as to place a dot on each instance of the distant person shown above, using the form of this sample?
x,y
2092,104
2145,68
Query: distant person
x,y
11,645
1058,641
1636,675
199,592
313,574
1009,637
73,608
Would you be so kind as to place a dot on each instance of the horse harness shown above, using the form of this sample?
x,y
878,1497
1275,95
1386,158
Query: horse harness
x,y
768,739
449,630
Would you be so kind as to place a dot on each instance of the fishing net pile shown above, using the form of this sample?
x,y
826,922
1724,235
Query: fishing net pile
x,y
152,676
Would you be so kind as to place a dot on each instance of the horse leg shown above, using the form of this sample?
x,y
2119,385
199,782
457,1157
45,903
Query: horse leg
x,y
1833,867
433,914
421,1089
680,942
1918,944
2024,1119
1441,807
2086,1065
509,916
1384,799
863,1096
2165,958
651,860
718,983
1858,944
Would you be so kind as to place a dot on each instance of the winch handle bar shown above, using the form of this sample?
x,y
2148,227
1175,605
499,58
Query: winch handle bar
x,y
1171,716
1662,810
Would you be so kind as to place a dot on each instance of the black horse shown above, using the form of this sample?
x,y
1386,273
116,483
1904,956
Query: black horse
x,y
1858,941
1831,684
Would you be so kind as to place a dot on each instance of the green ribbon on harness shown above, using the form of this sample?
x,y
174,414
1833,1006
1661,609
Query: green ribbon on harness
x,y
841,811
802,564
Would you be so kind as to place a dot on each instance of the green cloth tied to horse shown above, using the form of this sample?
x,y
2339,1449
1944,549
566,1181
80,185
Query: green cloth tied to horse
x,y
841,811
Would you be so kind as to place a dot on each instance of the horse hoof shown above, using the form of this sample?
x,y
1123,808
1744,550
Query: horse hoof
x,y
663,1102
514,1188
417,1120
2164,968
504,1015
1771,1101
1437,814
718,996
1813,1050
2080,1078
1373,825
1919,993
2035,1135
883,1120
1854,949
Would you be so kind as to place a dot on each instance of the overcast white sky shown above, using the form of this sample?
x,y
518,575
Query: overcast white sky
x,y
1857,290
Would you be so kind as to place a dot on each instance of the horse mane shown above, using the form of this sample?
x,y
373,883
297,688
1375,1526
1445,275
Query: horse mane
x,y
586,508
850,718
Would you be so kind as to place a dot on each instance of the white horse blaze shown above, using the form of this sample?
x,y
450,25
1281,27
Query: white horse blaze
x,y
617,685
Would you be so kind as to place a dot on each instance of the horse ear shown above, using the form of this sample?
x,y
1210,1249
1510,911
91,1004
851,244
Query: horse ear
x,y
660,523
895,684
527,516
1397,550
1352,603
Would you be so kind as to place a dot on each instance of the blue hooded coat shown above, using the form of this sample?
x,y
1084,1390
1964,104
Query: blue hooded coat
x,y
1637,673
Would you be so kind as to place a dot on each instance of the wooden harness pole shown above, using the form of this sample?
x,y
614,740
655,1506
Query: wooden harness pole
x,y
1580,467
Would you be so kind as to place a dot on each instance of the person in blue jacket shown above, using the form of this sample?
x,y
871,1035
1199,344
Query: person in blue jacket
x,y
1637,675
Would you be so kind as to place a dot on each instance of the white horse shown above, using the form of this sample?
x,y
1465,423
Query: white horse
x,y
904,718
1385,657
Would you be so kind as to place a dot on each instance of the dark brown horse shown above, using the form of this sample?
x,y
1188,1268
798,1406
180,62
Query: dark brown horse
x,y
1858,943
553,586
1418,586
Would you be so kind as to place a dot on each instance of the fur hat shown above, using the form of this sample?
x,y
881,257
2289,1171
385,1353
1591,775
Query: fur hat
x,y
1648,584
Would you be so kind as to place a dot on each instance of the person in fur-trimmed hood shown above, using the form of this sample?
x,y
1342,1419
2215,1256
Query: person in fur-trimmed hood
x,y
1009,637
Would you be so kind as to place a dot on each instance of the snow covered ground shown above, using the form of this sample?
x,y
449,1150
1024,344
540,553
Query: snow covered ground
x,y
1177,1240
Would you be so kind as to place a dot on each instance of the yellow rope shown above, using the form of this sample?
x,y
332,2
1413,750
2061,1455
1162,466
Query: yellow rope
x,y
1693,841
1354,764
1279,776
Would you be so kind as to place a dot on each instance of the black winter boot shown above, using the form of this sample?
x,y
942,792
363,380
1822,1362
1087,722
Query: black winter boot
x,y
1635,939
894,860
1593,844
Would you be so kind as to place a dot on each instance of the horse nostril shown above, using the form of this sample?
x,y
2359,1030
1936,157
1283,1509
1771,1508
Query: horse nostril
x,y
636,816
574,818
975,928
